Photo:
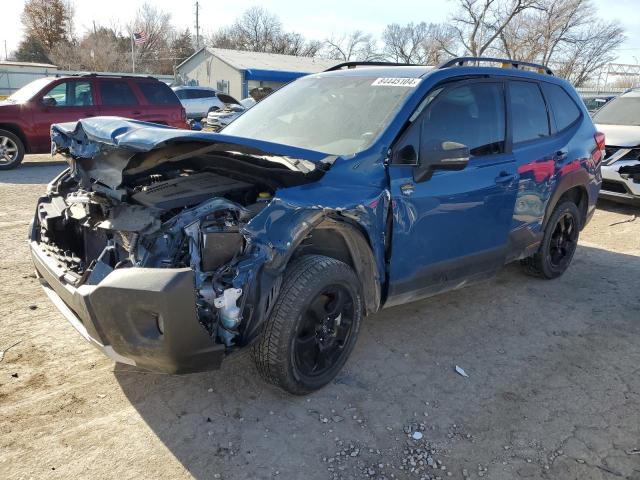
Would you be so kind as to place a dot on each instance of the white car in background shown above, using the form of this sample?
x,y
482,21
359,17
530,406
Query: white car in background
x,y
619,120
199,101
219,119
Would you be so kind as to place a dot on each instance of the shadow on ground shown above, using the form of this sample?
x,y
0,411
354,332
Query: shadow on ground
x,y
553,368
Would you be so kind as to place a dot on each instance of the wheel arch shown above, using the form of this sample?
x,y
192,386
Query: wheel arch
x,y
344,241
572,187
17,131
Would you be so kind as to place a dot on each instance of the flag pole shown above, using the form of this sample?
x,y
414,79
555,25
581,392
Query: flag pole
x,y
133,57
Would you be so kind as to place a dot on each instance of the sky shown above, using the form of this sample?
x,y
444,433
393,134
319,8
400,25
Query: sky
x,y
330,17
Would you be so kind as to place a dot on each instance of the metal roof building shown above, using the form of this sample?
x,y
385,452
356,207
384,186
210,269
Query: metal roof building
x,y
236,72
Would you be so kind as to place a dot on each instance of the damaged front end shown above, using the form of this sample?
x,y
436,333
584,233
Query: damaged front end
x,y
143,240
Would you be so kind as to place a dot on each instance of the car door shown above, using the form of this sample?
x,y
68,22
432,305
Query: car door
x,y
117,98
452,227
64,101
538,151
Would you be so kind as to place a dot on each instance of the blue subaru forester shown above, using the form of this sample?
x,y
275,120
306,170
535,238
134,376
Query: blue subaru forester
x,y
344,192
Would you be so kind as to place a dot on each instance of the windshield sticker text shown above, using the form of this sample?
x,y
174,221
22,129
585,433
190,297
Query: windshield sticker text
x,y
395,82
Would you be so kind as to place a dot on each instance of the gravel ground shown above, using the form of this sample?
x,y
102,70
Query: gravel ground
x,y
553,390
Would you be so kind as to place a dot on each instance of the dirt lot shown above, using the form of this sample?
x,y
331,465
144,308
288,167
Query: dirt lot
x,y
553,389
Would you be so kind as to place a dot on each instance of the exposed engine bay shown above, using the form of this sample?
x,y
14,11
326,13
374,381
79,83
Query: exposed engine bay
x,y
171,218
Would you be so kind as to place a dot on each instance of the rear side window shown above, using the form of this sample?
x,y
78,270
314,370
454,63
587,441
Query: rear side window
x,y
528,112
565,111
117,92
157,93
181,94
193,94
473,115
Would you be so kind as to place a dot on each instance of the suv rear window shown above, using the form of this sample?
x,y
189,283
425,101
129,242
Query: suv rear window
x,y
157,93
194,93
116,92
565,111
528,112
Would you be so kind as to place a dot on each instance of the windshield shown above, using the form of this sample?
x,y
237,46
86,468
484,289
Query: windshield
x,y
29,90
624,110
334,115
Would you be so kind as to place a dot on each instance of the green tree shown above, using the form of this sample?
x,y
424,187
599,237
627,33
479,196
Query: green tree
x,y
31,50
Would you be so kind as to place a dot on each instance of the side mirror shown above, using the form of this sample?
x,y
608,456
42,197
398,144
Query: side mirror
x,y
406,156
49,102
440,155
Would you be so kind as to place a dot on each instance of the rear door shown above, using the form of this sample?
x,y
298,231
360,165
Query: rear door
x,y
454,226
540,151
64,101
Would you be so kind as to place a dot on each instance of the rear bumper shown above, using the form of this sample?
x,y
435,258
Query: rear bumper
x,y
138,316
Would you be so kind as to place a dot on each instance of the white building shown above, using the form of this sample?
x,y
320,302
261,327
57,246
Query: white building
x,y
236,72
15,75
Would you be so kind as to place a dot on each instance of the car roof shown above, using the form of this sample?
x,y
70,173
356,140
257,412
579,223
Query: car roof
x,y
422,71
192,87
384,71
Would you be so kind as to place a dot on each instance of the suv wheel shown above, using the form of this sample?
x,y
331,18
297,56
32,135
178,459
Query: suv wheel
x,y
313,325
558,244
11,150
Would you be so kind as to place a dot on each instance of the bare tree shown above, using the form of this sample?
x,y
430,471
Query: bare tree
x,y
588,51
258,30
479,23
154,54
565,34
419,43
356,45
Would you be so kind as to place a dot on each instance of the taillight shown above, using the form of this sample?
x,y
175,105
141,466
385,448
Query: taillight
x,y
598,153
183,114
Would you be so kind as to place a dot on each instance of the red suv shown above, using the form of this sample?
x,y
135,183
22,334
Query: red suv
x,y
27,115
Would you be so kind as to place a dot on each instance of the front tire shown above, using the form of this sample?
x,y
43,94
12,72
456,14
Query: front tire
x,y
558,243
313,326
11,150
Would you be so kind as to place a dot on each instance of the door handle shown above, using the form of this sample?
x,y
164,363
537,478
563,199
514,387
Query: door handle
x,y
136,112
505,177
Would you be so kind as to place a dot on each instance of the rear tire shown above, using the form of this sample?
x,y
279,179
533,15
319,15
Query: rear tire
x,y
313,326
558,243
11,150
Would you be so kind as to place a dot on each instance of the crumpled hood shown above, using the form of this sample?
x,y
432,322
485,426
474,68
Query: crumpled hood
x,y
620,135
102,147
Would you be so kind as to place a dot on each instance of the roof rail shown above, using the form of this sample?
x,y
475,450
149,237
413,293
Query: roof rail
x,y
340,66
109,75
460,61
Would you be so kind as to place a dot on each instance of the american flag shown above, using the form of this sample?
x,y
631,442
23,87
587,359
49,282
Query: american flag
x,y
139,37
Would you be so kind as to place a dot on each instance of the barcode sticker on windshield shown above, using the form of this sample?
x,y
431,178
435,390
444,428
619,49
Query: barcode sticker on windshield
x,y
395,82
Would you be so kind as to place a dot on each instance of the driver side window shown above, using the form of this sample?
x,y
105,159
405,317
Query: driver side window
x,y
69,94
470,114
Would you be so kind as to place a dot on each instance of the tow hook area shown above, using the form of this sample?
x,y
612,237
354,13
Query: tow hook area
x,y
229,314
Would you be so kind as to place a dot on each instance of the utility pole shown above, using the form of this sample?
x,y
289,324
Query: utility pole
x,y
197,25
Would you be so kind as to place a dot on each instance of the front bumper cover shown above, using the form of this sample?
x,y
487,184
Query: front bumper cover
x,y
139,316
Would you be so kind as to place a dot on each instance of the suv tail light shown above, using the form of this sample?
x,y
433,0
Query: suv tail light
x,y
183,114
598,153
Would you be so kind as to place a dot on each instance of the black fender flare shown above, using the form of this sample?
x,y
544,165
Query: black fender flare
x,y
577,178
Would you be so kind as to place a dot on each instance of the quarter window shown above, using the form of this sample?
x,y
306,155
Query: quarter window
x,y
157,93
115,92
70,94
565,111
472,114
528,112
